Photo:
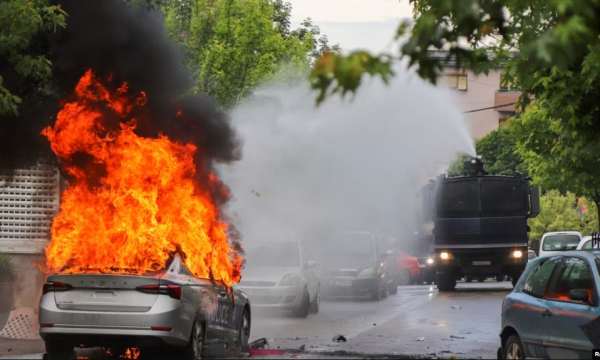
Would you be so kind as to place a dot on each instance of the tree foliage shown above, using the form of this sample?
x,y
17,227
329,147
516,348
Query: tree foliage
x,y
24,67
558,213
233,46
499,150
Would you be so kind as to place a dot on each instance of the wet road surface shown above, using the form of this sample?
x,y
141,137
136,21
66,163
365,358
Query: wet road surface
x,y
418,320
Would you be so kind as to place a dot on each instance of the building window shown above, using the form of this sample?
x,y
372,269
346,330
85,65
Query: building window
x,y
455,81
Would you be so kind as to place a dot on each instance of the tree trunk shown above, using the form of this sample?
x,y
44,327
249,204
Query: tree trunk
x,y
596,198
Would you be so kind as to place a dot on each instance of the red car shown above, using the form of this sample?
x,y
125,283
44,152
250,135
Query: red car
x,y
408,268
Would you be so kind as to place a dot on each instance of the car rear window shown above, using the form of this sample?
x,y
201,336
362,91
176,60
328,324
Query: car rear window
x,y
560,242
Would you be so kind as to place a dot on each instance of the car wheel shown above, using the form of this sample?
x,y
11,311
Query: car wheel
x,y
384,290
468,279
393,286
314,305
244,333
304,308
515,279
193,350
376,294
481,279
56,350
513,348
403,277
499,278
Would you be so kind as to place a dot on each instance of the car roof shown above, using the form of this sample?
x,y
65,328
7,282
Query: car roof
x,y
591,254
561,233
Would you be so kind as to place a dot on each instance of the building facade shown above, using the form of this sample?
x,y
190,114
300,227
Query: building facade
x,y
479,92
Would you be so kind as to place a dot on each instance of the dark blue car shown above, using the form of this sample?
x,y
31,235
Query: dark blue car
x,y
553,310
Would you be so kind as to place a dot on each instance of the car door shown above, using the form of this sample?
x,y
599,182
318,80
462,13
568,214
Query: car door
x,y
222,318
523,308
563,336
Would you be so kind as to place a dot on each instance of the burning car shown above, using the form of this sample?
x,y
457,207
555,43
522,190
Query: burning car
x,y
358,265
282,276
172,310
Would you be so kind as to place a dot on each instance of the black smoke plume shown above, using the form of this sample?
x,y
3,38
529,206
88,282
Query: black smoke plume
x,y
130,45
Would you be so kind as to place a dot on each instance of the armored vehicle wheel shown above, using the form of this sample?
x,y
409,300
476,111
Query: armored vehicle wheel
x,y
445,283
499,278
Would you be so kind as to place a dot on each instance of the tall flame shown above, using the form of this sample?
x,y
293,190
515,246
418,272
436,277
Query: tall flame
x,y
146,205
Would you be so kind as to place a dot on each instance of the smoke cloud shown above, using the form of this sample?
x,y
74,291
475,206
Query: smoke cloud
x,y
349,165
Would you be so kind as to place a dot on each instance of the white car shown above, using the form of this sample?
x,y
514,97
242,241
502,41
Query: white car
x,y
586,244
558,241
282,275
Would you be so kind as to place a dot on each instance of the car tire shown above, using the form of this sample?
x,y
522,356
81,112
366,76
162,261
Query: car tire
x,y
515,279
376,294
393,286
403,277
193,350
304,308
500,278
314,305
481,279
513,348
244,331
56,350
445,283
468,279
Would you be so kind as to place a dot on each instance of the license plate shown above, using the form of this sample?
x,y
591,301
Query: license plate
x,y
258,292
482,263
340,282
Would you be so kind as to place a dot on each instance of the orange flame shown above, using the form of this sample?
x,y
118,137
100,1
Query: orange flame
x,y
146,205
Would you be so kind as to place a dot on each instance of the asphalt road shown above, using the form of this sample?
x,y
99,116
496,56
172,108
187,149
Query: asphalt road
x,y
417,321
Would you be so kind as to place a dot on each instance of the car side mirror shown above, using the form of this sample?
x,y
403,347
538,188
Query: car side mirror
x,y
311,263
579,295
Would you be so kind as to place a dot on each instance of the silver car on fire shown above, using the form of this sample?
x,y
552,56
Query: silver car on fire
x,y
282,275
171,310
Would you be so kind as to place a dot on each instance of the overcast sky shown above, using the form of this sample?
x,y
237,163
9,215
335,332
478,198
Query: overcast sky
x,y
354,24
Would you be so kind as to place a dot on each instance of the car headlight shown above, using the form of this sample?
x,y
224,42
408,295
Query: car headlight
x,y
289,280
517,254
367,272
430,261
444,256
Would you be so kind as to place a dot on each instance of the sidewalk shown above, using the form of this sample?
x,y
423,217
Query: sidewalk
x,y
12,347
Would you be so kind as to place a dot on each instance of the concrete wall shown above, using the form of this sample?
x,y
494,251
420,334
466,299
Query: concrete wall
x,y
29,280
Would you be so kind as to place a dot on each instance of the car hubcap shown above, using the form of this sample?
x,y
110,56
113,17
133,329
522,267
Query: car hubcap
x,y
197,341
514,352
404,278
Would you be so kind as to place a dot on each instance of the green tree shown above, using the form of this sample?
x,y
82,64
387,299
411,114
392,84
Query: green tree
x,y
234,46
558,214
25,69
498,149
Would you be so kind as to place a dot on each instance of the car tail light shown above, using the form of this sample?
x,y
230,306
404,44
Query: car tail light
x,y
55,286
46,325
161,328
173,291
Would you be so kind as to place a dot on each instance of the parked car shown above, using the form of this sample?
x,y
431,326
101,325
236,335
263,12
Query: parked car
x,y
282,276
357,264
552,311
530,255
586,244
171,310
557,241
407,268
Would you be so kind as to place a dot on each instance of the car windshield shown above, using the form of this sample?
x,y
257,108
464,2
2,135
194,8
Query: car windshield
x,y
560,242
275,254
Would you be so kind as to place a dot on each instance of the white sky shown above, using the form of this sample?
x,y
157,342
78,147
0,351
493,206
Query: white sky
x,y
354,24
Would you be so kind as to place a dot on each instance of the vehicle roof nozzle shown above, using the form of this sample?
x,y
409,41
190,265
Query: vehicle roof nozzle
x,y
476,165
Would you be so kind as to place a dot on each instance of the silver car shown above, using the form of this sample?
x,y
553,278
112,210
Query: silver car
x,y
171,310
282,276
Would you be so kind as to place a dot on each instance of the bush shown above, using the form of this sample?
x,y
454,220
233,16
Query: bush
x,y
557,214
7,270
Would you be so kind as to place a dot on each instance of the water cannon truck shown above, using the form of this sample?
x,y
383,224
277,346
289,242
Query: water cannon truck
x,y
480,224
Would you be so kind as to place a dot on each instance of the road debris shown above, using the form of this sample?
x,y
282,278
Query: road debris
x,y
422,338
260,344
456,337
456,307
339,338
302,347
